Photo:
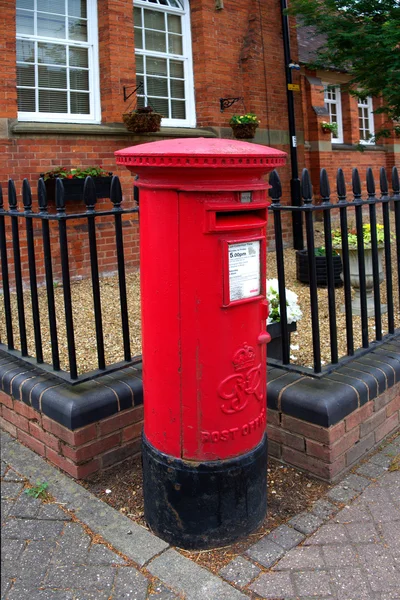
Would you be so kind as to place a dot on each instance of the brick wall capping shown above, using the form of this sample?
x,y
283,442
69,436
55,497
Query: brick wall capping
x,y
328,400
71,406
112,129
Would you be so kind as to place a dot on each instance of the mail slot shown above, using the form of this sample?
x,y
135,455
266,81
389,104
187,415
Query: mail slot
x,y
203,218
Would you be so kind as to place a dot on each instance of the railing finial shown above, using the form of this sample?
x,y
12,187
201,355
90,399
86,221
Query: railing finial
x,y
26,196
383,181
60,196
370,182
116,192
325,189
306,187
12,195
356,184
341,185
395,181
275,191
42,196
89,194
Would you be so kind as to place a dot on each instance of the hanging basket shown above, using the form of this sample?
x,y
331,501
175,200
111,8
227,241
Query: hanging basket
x,y
142,122
244,131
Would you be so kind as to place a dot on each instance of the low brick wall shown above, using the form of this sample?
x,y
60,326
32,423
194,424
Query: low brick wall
x,y
80,452
327,452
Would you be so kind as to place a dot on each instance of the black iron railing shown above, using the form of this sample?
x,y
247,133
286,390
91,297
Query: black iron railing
x,y
10,225
20,230
339,210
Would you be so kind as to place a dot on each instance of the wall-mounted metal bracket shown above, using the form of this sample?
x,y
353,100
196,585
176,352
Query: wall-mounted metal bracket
x,y
128,87
227,102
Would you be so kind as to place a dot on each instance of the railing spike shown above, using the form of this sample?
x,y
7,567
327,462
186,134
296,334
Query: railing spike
x,y
370,182
275,191
89,194
395,181
325,188
116,192
306,186
383,181
60,195
26,196
12,195
42,195
1,198
356,183
341,185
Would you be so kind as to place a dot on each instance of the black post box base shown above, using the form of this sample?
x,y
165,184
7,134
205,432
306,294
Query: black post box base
x,y
195,505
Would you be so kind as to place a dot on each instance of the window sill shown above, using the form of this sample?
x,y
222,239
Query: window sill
x,y
105,130
355,148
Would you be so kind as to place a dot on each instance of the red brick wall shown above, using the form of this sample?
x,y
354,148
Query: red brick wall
x,y
328,452
80,452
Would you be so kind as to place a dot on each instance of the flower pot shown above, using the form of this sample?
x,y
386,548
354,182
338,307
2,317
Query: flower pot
x,y
142,122
74,188
274,347
302,272
243,131
369,281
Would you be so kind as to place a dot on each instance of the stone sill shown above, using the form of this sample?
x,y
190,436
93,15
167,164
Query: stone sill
x,y
113,129
354,148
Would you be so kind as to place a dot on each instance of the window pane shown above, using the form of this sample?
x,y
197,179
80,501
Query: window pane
x,y
24,22
155,41
154,19
176,68
178,109
25,51
137,17
156,66
53,102
175,44
139,63
52,77
26,75
79,103
174,24
77,8
157,87
177,89
78,80
160,106
52,54
25,4
51,6
51,26
140,102
26,100
77,29
78,57
138,38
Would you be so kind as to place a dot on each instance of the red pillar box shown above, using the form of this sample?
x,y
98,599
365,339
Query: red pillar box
x,y
203,216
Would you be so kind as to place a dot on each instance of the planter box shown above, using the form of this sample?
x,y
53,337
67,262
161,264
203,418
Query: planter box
x,y
274,347
74,188
302,273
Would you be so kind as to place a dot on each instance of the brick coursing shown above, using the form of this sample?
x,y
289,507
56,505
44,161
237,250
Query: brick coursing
x,y
81,452
328,452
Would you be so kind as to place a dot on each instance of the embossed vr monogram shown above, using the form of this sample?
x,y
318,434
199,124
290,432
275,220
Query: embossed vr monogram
x,y
237,390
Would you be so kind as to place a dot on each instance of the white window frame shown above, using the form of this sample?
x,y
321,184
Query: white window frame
x,y
92,45
186,58
338,103
368,104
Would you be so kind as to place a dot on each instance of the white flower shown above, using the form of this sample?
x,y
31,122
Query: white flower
x,y
293,311
108,491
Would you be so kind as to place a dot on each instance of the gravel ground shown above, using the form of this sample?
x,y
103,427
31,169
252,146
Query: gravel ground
x,y
85,336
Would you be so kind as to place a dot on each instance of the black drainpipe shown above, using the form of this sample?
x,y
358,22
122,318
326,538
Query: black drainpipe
x,y
295,192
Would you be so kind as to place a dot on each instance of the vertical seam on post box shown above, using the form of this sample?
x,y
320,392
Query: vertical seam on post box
x,y
180,321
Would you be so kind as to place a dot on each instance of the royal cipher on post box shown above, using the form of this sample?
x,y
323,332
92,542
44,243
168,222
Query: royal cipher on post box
x,y
203,216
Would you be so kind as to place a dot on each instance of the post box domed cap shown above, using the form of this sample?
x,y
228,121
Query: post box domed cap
x,y
200,152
